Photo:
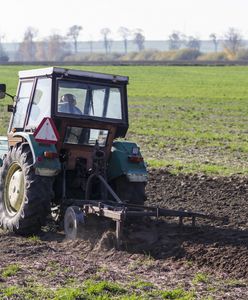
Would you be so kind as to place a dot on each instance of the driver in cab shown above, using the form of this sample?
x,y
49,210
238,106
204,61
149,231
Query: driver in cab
x,y
68,104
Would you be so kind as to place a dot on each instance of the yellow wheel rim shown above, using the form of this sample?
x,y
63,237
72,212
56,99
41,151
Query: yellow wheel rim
x,y
14,189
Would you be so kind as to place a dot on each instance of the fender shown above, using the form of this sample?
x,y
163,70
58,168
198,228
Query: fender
x,y
3,148
119,163
43,166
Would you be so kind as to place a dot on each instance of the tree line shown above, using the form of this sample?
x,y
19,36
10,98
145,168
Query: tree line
x,y
57,47
232,41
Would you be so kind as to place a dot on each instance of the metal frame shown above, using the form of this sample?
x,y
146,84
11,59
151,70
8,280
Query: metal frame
x,y
119,213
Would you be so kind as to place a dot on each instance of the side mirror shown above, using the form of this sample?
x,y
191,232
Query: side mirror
x,y
2,90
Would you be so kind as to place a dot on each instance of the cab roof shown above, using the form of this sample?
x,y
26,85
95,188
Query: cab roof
x,y
70,72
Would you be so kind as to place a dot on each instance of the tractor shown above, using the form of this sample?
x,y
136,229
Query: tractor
x,y
65,155
64,148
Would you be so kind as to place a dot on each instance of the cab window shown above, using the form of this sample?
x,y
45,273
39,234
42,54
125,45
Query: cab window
x,y
41,106
86,136
22,104
76,98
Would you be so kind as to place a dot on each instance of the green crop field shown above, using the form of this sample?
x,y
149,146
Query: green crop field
x,y
188,119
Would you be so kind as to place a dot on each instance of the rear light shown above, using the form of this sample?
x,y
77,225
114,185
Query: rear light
x,y
135,158
50,155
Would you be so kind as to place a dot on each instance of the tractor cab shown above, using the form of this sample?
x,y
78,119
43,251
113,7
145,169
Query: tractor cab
x,y
85,107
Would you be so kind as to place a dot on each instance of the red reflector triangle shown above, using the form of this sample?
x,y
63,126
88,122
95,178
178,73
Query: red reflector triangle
x,y
46,132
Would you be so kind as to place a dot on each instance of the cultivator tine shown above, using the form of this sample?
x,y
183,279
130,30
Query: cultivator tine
x,y
119,227
157,216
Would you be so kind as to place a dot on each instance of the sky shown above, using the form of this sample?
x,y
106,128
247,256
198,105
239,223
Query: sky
x,y
157,18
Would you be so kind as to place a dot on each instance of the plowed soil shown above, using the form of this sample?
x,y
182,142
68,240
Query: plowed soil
x,y
161,252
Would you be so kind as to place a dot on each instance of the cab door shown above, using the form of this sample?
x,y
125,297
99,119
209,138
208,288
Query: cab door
x,y
21,103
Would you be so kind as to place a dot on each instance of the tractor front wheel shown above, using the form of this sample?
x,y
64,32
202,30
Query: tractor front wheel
x,y
24,196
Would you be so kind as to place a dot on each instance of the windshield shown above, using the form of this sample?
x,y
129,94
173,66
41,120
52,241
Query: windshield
x,y
77,98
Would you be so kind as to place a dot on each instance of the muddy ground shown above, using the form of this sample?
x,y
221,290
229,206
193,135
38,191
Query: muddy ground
x,y
160,252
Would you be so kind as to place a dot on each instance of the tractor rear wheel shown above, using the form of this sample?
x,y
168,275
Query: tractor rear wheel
x,y
131,192
24,196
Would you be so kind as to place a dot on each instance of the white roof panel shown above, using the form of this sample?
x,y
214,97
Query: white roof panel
x,y
51,70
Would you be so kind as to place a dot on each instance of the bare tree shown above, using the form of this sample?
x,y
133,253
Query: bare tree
x,y
193,43
3,55
175,40
139,39
53,48
27,47
41,51
106,40
233,41
213,37
124,33
73,33
57,47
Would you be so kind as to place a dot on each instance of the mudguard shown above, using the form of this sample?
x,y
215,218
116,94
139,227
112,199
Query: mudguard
x,y
119,163
3,148
43,166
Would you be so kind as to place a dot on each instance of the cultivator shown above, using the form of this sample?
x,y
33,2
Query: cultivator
x,y
76,215
118,211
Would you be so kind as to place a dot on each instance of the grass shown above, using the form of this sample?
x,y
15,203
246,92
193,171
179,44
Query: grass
x,y
179,294
90,289
142,285
103,287
192,119
200,278
68,293
203,286
10,270
34,239
235,283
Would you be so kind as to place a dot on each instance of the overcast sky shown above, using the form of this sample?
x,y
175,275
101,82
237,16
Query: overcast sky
x,y
157,18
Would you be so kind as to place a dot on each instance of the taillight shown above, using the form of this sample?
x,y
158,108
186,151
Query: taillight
x,y
51,155
135,158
